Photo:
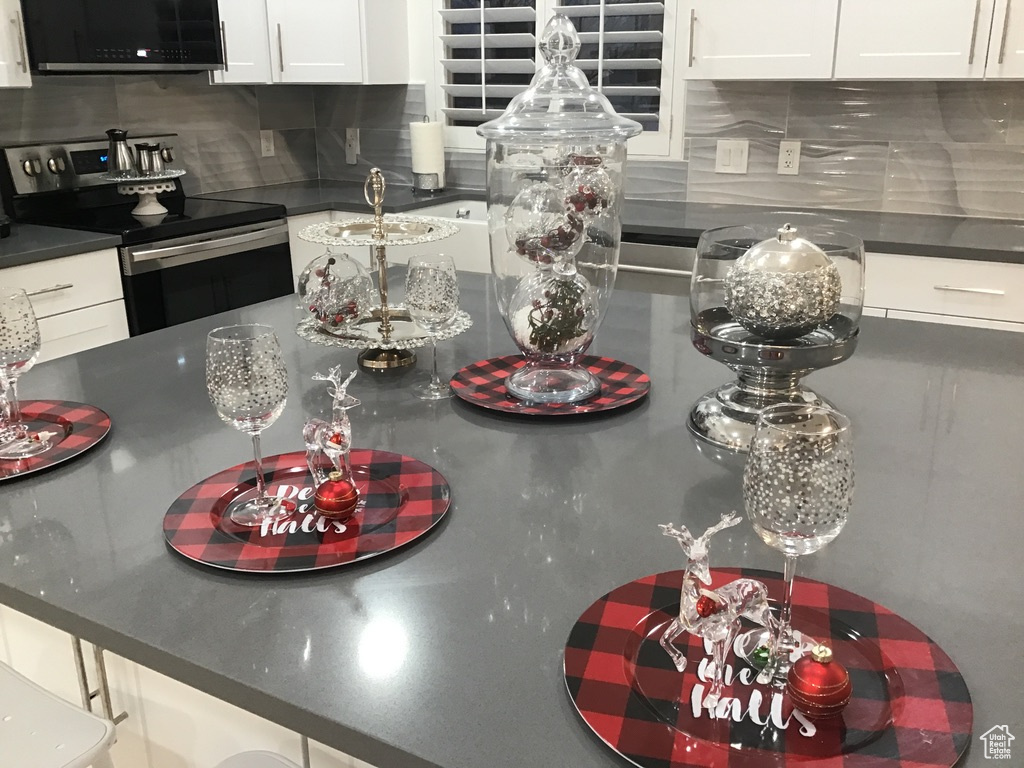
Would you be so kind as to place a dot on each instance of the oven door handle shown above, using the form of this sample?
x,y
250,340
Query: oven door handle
x,y
213,244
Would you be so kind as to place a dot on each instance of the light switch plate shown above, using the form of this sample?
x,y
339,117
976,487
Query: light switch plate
x,y
731,155
267,143
789,158
351,145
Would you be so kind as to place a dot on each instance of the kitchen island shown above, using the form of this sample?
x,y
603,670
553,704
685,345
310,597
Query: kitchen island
x,y
448,653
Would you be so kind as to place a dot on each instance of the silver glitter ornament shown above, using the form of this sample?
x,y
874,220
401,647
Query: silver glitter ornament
x,y
783,288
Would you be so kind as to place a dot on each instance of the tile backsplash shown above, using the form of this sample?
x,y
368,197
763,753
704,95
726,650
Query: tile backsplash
x,y
217,125
924,147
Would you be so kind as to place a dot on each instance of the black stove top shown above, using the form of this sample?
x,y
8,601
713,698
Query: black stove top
x,y
185,216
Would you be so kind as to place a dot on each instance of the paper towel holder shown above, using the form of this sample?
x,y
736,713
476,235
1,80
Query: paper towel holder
x,y
431,178
426,182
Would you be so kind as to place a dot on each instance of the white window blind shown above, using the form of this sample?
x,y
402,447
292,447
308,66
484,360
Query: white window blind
x,y
622,53
489,56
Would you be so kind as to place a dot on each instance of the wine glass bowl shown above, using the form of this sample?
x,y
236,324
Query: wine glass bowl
x,y
798,489
432,298
248,385
20,343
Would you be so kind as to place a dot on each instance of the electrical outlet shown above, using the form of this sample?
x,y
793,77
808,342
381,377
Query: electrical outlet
x,y
731,155
789,158
351,145
267,143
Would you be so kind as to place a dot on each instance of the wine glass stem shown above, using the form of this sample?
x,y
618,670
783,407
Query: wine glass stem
x,y
435,380
13,405
261,485
785,635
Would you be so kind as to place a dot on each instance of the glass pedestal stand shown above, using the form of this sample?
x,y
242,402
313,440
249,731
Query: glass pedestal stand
x,y
767,373
382,352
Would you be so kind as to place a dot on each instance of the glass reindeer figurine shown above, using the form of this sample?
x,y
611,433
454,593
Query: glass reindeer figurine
x,y
713,614
337,495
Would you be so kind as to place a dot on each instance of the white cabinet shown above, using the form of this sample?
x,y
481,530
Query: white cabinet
x,y
1006,48
959,292
470,248
13,50
315,41
78,300
244,37
304,252
890,39
759,39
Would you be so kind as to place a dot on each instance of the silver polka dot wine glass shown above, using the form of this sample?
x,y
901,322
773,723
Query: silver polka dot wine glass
x,y
797,487
432,298
19,348
248,385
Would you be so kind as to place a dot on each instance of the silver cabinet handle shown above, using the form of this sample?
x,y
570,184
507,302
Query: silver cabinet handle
x,y
281,49
51,289
957,289
462,213
1006,28
224,45
693,24
655,270
974,31
21,41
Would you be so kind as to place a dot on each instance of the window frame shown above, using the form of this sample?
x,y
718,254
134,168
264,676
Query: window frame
x,y
665,143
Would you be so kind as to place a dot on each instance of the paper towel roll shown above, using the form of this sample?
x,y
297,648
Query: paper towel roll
x,y
428,150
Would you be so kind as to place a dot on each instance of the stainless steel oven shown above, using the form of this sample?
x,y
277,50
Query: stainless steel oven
x,y
184,278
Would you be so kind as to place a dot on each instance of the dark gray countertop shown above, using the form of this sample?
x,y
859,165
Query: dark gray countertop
x,y
954,237
29,243
449,652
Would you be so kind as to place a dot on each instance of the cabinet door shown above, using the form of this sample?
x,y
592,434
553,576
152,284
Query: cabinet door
x,y
887,39
759,39
13,49
302,251
82,329
315,41
1006,49
245,40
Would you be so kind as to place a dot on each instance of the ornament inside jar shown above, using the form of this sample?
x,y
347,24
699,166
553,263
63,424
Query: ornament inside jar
x,y
555,170
783,288
818,685
336,290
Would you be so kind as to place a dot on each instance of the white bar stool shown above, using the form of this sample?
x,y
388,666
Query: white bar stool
x,y
257,759
41,730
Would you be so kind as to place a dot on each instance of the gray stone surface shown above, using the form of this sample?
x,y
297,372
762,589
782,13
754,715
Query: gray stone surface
x,y
449,653
29,243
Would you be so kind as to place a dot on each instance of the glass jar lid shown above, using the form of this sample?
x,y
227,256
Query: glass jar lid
x,y
559,105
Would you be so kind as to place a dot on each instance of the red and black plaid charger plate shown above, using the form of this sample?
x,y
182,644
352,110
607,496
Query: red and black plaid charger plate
x,y
483,384
78,426
910,705
401,499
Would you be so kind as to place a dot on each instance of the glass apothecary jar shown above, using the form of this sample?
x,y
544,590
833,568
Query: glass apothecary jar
x,y
555,171
773,303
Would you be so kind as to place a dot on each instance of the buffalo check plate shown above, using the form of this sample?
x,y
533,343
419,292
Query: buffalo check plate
x,y
401,499
79,427
910,705
483,384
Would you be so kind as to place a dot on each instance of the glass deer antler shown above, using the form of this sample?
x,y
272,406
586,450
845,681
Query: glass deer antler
x,y
713,614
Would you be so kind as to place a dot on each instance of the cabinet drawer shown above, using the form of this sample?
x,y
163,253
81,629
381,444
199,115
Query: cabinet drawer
x,y
82,329
983,289
71,282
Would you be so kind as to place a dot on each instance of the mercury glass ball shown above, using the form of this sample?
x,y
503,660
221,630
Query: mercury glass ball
x,y
783,288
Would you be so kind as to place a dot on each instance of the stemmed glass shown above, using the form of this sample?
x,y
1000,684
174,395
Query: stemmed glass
x,y
798,487
248,385
432,298
19,348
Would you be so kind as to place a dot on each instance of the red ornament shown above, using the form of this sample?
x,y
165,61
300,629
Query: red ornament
x,y
335,438
336,497
706,606
819,686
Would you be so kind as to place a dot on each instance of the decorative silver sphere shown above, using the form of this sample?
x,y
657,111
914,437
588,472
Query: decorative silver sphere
x,y
783,287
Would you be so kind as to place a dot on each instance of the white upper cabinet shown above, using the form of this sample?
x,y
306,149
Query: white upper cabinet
x,y
13,50
314,41
894,39
758,39
243,29
1006,49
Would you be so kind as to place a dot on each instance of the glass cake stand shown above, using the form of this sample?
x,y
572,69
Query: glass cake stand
x,y
390,344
